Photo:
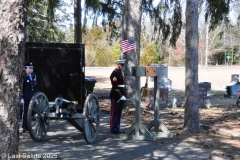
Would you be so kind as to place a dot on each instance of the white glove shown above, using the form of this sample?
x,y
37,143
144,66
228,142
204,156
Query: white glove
x,y
123,98
22,101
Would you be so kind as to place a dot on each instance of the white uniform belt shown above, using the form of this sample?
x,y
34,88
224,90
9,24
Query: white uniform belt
x,y
122,85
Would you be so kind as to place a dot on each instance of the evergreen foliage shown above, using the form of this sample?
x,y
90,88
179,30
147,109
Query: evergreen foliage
x,y
217,11
166,16
42,22
110,11
219,57
167,20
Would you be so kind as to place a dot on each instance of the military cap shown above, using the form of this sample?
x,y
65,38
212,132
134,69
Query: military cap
x,y
121,61
28,64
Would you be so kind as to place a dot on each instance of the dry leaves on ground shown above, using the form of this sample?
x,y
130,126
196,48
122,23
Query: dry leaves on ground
x,y
221,123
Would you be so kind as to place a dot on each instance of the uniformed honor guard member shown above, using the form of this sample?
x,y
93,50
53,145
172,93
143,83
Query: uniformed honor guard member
x,y
29,89
117,96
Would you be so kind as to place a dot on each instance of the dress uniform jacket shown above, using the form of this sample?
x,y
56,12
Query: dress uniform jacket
x,y
117,91
117,81
29,86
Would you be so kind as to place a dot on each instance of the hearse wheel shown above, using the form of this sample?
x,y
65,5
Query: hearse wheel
x,y
90,118
37,120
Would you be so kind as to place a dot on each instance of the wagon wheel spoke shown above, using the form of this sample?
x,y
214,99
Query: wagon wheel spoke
x,y
45,108
96,121
91,118
38,122
94,109
39,130
35,131
38,112
44,105
35,117
42,129
92,130
95,116
90,125
36,107
93,127
46,123
35,123
37,104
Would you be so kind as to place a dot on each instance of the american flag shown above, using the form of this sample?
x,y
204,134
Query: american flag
x,y
127,45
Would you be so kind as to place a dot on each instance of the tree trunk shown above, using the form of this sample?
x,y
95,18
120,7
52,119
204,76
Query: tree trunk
x,y
131,27
191,116
77,21
12,48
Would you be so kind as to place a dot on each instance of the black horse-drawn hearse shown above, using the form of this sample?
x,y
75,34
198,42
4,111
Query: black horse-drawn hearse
x,y
63,90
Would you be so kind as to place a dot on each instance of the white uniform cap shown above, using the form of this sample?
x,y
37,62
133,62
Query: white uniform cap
x,y
120,61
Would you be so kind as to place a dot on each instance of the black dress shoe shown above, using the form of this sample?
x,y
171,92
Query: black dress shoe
x,y
25,130
121,132
114,132
118,132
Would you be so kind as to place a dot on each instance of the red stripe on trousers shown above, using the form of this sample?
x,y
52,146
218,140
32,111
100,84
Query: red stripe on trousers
x,y
112,113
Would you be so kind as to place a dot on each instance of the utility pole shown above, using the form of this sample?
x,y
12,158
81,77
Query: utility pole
x,y
206,57
232,46
224,37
